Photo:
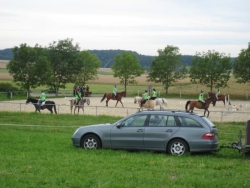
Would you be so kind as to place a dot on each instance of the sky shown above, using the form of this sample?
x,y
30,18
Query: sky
x,y
144,26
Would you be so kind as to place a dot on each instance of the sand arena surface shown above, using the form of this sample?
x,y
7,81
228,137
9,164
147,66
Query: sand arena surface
x,y
217,113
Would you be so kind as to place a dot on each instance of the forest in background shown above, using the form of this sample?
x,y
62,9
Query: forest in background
x,y
107,57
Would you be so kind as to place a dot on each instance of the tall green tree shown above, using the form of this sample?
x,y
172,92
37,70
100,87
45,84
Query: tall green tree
x,y
167,68
29,67
211,69
88,65
127,67
62,56
241,67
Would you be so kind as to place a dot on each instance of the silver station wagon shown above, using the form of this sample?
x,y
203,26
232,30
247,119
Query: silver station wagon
x,y
174,132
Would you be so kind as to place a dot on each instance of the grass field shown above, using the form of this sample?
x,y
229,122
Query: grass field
x,y
40,154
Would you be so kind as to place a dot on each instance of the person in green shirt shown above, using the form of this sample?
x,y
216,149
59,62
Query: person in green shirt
x,y
218,92
78,96
42,99
154,95
114,91
201,99
145,97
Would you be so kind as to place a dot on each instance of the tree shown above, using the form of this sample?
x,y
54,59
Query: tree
x,y
167,67
127,67
211,69
29,67
241,67
88,65
62,56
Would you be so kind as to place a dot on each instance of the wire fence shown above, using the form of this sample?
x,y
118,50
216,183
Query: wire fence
x,y
225,115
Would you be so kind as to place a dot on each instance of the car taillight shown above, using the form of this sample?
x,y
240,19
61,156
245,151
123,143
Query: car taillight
x,y
208,136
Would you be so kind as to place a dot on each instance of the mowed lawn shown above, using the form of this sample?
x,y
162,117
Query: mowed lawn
x,y
36,151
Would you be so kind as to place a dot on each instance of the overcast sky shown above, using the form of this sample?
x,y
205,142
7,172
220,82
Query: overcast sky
x,y
143,26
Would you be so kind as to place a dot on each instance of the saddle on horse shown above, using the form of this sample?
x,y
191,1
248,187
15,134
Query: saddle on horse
x,y
203,103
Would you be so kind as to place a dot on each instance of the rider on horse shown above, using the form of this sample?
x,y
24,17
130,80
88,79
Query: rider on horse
x,y
42,99
154,95
145,98
201,99
78,96
114,91
218,92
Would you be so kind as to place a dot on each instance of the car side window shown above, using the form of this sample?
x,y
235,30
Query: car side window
x,y
135,121
170,122
188,122
157,120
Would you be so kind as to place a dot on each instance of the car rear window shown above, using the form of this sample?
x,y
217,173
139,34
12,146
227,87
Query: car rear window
x,y
210,123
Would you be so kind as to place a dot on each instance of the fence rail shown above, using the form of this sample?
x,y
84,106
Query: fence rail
x,y
225,115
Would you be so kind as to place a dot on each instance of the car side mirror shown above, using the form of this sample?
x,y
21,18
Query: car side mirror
x,y
118,125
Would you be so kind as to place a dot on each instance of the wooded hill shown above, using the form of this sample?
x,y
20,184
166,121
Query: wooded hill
x,y
106,57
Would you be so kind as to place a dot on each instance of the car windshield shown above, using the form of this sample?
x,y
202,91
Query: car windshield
x,y
208,122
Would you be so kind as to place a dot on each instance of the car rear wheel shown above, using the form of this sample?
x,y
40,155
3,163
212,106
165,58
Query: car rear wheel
x,y
90,142
177,147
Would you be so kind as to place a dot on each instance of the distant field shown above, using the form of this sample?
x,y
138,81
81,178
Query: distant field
x,y
182,87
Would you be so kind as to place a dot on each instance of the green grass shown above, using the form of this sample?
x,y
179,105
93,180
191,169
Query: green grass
x,y
43,156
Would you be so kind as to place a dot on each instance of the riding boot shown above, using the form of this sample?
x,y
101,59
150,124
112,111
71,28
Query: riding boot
x,y
203,105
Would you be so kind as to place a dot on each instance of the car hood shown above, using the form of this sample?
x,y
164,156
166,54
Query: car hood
x,y
96,126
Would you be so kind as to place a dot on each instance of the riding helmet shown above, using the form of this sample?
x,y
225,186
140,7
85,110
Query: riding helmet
x,y
146,91
201,91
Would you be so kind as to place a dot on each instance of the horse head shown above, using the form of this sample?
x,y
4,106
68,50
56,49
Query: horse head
x,y
137,100
28,100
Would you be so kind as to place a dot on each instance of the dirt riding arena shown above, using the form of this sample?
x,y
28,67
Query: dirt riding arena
x,y
238,111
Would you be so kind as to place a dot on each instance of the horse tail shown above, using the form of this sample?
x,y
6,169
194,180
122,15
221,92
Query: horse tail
x,y
165,102
188,102
103,97
54,107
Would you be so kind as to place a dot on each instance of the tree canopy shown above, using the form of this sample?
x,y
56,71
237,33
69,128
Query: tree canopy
x,y
29,67
167,68
211,69
62,56
241,67
127,67
87,64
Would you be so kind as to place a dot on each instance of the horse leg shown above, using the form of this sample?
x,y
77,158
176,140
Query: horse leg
x,y
120,102
107,102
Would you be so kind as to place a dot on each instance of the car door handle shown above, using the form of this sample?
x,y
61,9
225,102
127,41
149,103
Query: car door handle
x,y
140,130
169,130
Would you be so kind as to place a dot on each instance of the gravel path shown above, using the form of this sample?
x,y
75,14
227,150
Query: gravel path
x,y
217,113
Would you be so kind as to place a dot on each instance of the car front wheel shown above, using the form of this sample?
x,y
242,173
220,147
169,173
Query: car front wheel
x,y
177,147
91,142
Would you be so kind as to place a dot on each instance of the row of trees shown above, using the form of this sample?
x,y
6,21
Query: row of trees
x,y
62,62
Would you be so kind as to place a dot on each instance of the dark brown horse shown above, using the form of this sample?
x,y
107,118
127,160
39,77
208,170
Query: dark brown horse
x,y
199,105
47,105
221,97
118,97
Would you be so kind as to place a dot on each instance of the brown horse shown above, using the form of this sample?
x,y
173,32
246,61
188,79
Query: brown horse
x,y
118,97
149,104
221,97
199,105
